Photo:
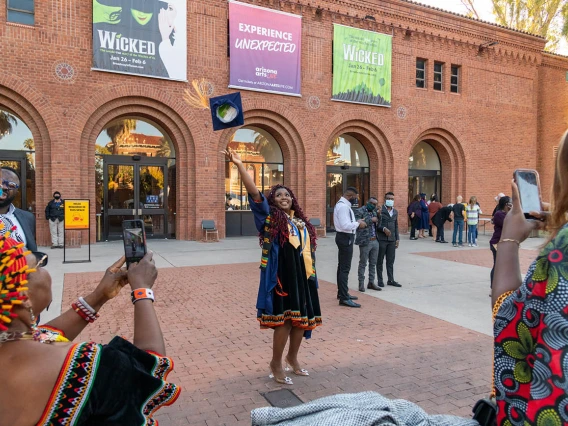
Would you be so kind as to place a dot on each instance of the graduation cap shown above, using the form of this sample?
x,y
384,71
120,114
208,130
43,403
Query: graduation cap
x,y
226,111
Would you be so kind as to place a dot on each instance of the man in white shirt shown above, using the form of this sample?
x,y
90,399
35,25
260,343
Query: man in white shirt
x,y
345,227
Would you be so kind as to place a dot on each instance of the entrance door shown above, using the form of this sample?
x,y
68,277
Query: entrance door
x,y
338,180
22,162
424,181
135,190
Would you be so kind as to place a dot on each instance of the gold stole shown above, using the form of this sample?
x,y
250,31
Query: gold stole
x,y
306,250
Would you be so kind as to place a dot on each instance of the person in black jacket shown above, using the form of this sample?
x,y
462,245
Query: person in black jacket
x,y
54,212
439,219
387,234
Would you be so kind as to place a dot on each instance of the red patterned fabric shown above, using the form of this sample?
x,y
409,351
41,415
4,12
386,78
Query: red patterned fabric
x,y
531,344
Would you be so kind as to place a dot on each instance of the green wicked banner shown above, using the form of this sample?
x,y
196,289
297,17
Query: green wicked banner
x,y
362,66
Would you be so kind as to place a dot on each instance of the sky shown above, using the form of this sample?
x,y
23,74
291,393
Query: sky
x,y
484,9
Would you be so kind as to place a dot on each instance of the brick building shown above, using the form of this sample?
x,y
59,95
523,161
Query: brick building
x,y
499,104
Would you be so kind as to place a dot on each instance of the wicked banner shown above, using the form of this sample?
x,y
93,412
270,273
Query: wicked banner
x,y
141,37
265,49
362,62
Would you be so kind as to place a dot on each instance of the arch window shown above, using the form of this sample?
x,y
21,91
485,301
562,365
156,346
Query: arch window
x,y
424,171
263,160
17,151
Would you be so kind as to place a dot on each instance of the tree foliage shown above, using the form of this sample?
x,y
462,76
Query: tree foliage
x,y
546,18
119,132
7,123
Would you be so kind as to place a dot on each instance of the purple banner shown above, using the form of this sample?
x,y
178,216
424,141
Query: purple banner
x,y
266,49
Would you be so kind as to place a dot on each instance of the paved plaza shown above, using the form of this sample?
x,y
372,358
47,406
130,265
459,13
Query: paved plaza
x,y
428,342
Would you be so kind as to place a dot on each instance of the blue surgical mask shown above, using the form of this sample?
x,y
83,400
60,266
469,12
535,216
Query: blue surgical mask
x,y
389,203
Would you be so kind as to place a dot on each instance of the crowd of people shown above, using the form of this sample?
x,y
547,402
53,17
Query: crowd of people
x,y
59,382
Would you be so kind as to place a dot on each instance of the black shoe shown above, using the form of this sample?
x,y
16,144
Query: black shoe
x,y
350,297
437,241
349,303
362,289
444,242
413,238
372,286
394,284
381,284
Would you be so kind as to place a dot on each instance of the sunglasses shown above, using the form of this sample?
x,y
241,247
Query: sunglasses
x,y
41,258
11,186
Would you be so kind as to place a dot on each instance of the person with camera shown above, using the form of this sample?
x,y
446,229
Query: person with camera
x,y
366,239
47,379
531,315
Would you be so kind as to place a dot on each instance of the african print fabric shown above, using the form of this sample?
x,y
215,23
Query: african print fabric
x,y
531,344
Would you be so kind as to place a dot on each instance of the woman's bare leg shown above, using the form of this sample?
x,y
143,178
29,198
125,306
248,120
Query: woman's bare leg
x,y
279,343
296,336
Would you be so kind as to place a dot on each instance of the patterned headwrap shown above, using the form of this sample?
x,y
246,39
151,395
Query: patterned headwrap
x,y
14,272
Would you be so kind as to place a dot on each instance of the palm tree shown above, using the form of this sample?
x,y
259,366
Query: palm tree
x,y
165,149
29,144
7,121
119,132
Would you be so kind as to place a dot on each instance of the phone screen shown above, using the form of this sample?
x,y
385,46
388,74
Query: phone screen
x,y
134,240
527,181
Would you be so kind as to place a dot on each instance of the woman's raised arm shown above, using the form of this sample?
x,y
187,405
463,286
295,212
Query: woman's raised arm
x,y
245,177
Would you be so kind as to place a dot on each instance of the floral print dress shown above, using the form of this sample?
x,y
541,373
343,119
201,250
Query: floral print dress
x,y
531,344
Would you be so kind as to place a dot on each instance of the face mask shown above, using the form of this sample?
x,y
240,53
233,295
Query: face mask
x,y
370,207
389,203
57,197
354,201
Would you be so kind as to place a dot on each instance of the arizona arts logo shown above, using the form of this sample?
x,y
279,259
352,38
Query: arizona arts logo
x,y
115,41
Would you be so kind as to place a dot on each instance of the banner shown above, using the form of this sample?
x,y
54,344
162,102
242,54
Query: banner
x,y
265,48
76,214
146,38
362,66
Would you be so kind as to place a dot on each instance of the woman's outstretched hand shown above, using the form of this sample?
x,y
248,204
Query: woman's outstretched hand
x,y
113,281
516,226
144,273
232,156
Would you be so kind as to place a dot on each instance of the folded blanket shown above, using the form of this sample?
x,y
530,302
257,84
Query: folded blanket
x,y
357,409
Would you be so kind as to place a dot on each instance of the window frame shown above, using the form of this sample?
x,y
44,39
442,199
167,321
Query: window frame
x,y
441,74
457,85
424,70
23,11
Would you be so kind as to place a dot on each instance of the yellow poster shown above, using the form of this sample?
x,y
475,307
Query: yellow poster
x,y
76,214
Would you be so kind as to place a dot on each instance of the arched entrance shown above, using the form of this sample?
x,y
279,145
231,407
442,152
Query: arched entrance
x,y
18,152
135,178
424,171
263,160
347,164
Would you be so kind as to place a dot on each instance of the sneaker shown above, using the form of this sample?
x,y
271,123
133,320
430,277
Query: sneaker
x,y
460,245
469,245
474,245
454,244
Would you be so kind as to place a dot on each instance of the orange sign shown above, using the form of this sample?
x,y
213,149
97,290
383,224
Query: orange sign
x,y
76,214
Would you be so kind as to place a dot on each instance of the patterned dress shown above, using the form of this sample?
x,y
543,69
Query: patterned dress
x,y
531,344
114,384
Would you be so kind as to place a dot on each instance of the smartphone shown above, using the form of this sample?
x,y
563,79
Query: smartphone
x,y
134,240
529,191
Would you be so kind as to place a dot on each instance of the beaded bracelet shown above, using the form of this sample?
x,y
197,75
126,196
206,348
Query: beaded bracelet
x,y
142,294
86,305
84,312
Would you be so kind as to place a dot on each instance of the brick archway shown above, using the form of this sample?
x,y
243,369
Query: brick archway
x,y
452,160
169,120
23,104
378,149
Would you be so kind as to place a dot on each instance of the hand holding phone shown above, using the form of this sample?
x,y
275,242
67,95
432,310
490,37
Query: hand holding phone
x,y
134,241
529,191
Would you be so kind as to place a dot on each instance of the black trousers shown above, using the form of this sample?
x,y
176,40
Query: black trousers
x,y
388,249
415,225
440,234
344,242
494,259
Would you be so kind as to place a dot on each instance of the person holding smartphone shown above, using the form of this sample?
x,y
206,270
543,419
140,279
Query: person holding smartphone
x,y
47,379
531,316
288,300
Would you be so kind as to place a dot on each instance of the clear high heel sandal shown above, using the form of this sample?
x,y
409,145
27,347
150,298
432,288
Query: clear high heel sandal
x,y
299,372
285,381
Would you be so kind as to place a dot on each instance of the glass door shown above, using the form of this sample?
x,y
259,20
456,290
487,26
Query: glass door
x,y
427,182
338,180
134,190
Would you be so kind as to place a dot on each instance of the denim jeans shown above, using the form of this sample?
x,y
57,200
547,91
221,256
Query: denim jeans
x,y
458,227
471,237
